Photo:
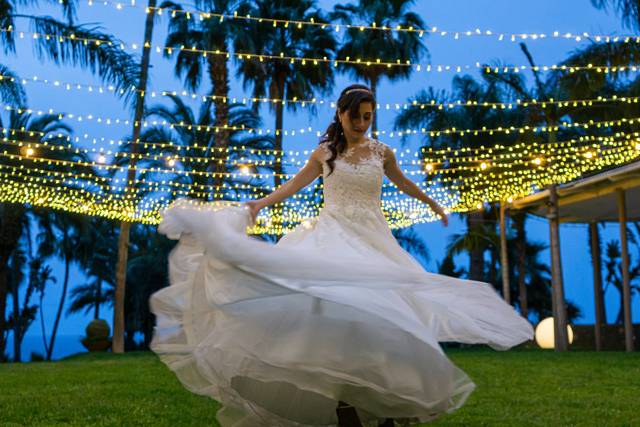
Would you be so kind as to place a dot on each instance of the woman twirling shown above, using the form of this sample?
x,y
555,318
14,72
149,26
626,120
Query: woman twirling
x,y
335,324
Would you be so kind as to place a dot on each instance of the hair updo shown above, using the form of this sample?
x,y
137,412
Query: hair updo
x,y
350,99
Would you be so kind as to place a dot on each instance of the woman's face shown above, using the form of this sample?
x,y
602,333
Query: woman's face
x,y
356,127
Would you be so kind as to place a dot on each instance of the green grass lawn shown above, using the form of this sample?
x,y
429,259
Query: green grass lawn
x,y
515,388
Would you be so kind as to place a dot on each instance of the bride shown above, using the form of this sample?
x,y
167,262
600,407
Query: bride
x,y
335,324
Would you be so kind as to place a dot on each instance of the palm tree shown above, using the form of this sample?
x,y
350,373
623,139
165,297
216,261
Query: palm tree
x,y
629,10
14,221
98,267
206,35
69,230
388,46
191,130
41,276
106,58
11,91
614,274
12,225
448,267
281,79
17,320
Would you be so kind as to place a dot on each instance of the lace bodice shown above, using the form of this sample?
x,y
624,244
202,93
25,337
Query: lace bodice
x,y
355,185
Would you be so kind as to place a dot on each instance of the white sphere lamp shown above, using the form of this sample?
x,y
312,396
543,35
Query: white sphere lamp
x,y
545,336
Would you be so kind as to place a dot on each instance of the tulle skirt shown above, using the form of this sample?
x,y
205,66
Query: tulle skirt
x,y
335,311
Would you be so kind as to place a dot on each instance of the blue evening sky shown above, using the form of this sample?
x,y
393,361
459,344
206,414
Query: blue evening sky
x,y
502,16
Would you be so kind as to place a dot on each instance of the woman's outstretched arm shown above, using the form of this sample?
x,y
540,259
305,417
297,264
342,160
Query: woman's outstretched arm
x,y
404,184
304,177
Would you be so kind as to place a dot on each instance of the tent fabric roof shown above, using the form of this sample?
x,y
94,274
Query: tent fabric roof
x,y
591,199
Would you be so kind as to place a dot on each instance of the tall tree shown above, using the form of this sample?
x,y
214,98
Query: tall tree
x,y
63,235
98,268
117,342
283,79
209,35
20,129
388,46
194,139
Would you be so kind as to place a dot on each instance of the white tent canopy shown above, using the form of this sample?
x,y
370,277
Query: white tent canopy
x,y
593,198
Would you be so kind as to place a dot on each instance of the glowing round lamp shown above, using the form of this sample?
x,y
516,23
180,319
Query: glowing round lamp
x,y
545,336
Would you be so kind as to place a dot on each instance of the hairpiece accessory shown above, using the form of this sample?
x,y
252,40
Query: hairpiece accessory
x,y
358,89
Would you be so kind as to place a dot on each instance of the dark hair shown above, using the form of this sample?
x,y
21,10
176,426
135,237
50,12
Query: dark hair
x,y
349,99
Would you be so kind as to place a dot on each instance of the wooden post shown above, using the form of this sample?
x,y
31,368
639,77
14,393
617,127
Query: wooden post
x,y
557,294
626,289
504,258
117,343
597,282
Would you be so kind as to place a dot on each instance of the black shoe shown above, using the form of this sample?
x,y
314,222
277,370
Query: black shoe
x,y
347,416
387,423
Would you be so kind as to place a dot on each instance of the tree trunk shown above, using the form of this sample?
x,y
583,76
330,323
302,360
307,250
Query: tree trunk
x,y
279,130
96,309
42,327
10,232
504,258
30,289
117,343
15,297
278,209
373,84
3,307
619,317
63,297
476,254
219,75
493,267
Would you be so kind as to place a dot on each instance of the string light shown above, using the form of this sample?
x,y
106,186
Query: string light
x,y
397,105
434,30
562,166
514,154
302,131
399,212
311,61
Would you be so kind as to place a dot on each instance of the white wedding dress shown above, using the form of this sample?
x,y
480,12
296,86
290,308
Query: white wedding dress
x,y
335,311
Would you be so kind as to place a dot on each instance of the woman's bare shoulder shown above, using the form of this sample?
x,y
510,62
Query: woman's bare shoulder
x,y
321,153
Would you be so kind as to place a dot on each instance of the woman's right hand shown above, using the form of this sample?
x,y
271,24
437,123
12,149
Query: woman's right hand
x,y
442,214
254,207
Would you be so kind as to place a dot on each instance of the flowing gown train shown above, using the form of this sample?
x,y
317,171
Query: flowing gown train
x,y
335,311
